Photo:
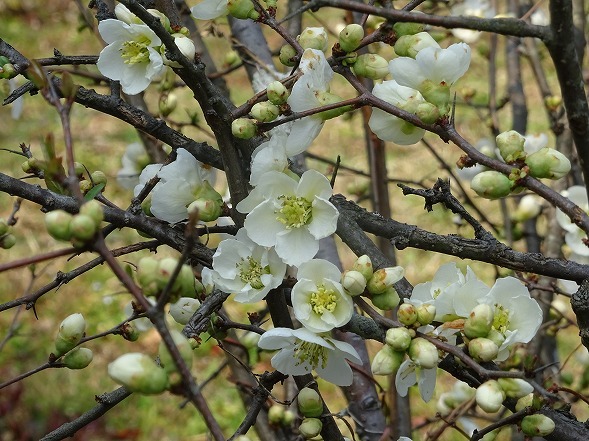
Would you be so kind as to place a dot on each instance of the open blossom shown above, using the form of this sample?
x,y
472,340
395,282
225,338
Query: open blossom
x,y
134,160
574,235
302,351
270,155
410,373
289,215
241,266
318,299
131,56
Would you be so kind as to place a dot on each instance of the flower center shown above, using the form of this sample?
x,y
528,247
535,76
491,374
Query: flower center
x,y
135,51
501,319
436,293
251,271
323,300
312,353
295,211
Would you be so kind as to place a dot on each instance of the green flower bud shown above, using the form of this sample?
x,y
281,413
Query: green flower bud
x,y
408,28
277,93
310,427
8,71
167,104
511,145
524,402
496,337
427,112
129,331
350,59
515,387
148,276
78,358
98,177
7,241
313,38
437,94
407,314
386,301
426,313
423,353
184,309
275,414
242,9
326,98
208,210
371,66
27,167
399,338
384,278
490,396
165,21
288,418
183,346
4,227
57,223
244,128
138,373
491,184
553,102
310,403
83,227
350,37
548,163
353,282
94,210
363,265
232,58
71,331
482,349
410,45
265,111
288,55
85,186
387,361
480,321
537,425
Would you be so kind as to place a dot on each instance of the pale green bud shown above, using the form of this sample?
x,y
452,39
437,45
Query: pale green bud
x,y
410,45
548,163
480,321
427,112
371,66
553,102
183,346
310,403
511,145
4,226
310,427
387,361
138,373
350,37
399,338
353,282
496,337
423,353
313,38
242,9
71,331
364,266
287,55
130,332
275,414
232,58
384,278
515,387
244,128
8,71
529,207
184,309
408,28
98,177
537,425
524,402
83,227
288,418
58,224
265,111
277,93
326,98
426,312
7,241
78,358
490,396
482,349
165,21
437,94
148,275
167,104
386,301
208,210
491,184
93,209
407,314
124,14
85,186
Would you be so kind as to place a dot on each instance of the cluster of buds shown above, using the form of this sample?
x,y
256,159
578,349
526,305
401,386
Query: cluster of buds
x,y
7,239
371,66
490,395
153,276
242,9
79,228
279,416
310,406
71,331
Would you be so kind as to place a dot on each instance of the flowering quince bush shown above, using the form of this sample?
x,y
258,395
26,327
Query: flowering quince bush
x,y
247,228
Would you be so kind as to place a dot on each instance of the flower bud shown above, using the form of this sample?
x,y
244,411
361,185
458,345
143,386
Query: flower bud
x,y
57,223
491,184
4,227
138,373
384,278
515,387
482,349
71,331
313,38
407,314
232,58
8,71
167,104
426,312
364,266
277,93
184,309
387,361
147,276
310,427
537,425
98,177
185,45
548,163
511,145
496,337
353,282
83,227
122,13
350,37
524,402
85,186
288,418
93,209
7,241
310,403
78,358
437,94
410,45
408,28
275,414
423,353
427,112
326,98
208,210
265,111
490,396
244,128
165,21
129,331
371,66
386,301
480,321
552,102
529,207
398,338
183,346
287,55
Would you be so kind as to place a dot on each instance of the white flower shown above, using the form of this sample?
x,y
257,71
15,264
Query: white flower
x,y
184,309
440,291
409,374
270,155
209,9
473,8
485,146
241,266
134,160
318,299
574,235
302,351
131,56
390,127
290,215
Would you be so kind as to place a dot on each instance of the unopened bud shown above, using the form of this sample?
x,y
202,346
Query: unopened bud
x,y
426,312
427,112
353,282
71,331
410,45
350,37
552,102
184,309
384,278
287,55
184,348
275,414
167,104
7,241
423,353
208,210
371,66
78,358
537,425
232,58
185,45
265,111
482,349
58,224
364,266
408,28
148,276
94,210
277,93
310,427
407,314
244,128
524,402
491,184
326,98
387,361
399,338
288,418
83,227
3,226
511,145
165,21
98,177
490,396
480,321
313,38
242,9
548,163
529,207
129,331
515,387
386,301
138,373
310,403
